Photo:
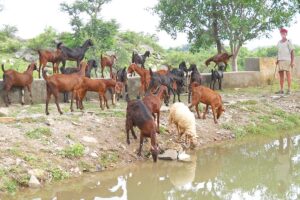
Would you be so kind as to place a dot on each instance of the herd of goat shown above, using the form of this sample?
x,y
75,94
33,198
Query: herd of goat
x,y
155,88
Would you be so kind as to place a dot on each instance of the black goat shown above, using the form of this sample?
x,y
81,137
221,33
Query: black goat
x,y
92,64
178,76
182,67
217,75
140,59
168,80
76,54
195,77
122,77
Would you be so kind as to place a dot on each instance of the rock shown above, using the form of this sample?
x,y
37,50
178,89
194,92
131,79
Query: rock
x,y
34,182
7,119
2,139
89,139
169,154
276,97
75,170
94,155
98,168
39,173
76,124
18,161
182,156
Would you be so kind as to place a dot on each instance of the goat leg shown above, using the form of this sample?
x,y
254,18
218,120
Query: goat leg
x,y
72,98
214,114
30,94
158,131
205,112
141,144
22,96
56,102
197,110
100,100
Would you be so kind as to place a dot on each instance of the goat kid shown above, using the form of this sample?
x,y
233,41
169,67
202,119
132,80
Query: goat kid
x,y
12,78
209,98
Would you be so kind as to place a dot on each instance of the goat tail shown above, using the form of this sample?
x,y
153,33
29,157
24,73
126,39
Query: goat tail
x,y
44,73
2,67
132,57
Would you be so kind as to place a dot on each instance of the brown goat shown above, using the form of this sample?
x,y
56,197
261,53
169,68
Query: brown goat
x,y
59,83
209,98
138,115
154,102
144,74
107,61
13,78
55,57
219,58
94,85
119,89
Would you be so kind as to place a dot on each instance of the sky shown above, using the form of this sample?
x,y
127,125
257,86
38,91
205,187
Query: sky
x,y
32,16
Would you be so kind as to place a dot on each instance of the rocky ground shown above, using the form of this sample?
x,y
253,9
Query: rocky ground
x,y
36,149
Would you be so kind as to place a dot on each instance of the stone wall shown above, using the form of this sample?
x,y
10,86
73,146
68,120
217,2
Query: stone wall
x,y
231,80
266,66
258,71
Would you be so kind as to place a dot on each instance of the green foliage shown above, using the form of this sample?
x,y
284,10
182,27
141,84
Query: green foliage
x,y
108,158
74,151
43,40
8,41
236,21
58,174
38,133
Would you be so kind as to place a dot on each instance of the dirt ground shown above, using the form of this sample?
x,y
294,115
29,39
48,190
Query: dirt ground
x,y
57,146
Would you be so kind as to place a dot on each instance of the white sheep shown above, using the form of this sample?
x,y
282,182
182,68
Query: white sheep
x,y
185,122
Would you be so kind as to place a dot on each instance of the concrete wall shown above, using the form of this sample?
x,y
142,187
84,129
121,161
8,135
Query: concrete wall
x,y
266,66
231,80
258,71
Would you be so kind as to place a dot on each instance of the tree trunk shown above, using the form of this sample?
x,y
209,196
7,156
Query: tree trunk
x,y
215,29
235,52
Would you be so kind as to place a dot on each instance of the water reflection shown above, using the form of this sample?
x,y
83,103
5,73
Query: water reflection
x,y
258,169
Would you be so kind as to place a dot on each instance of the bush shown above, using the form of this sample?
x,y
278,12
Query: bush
x,y
76,150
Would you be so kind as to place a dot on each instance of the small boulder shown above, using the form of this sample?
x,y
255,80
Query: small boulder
x,y
34,182
89,139
169,154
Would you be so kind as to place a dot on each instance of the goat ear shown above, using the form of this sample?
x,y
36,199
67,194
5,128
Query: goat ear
x,y
124,69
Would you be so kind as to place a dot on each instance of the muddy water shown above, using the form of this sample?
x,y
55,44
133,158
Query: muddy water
x,y
256,169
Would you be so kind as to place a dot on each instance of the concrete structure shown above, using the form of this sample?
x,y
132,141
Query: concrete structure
x,y
258,71
266,67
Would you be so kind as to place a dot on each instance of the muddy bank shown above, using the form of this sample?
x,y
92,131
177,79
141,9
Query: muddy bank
x,y
55,147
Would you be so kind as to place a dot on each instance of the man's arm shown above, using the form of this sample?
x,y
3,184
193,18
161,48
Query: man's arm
x,y
292,58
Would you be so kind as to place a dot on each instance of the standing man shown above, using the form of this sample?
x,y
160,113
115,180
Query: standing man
x,y
285,60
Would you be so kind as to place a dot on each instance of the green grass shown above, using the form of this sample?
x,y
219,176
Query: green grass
x,y
10,185
38,133
74,151
108,158
58,174
264,125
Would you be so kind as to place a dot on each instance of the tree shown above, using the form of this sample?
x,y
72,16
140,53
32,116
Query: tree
x,y
47,39
90,7
9,31
103,33
212,22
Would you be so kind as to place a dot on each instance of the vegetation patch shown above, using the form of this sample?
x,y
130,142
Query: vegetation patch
x,y
58,174
74,151
108,158
38,133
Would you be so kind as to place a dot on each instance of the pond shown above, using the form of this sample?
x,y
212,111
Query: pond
x,y
253,169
